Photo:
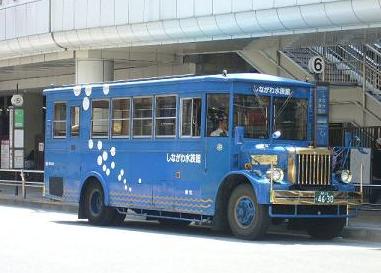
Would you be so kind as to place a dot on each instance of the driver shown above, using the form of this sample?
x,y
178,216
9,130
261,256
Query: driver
x,y
222,130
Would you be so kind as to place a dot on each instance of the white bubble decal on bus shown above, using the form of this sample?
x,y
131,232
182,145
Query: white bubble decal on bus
x,y
99,160
105,156
99,145
86,104
77,90
88,90
91,144
106,89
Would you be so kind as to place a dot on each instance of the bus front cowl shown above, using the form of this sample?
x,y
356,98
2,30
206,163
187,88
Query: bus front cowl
x,y
301,176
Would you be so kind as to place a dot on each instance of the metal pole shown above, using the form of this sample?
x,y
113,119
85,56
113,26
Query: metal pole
x,y
22,175
271,183
361,182
363,87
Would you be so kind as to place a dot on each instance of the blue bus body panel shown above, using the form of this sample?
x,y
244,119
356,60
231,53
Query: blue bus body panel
x,y
171,174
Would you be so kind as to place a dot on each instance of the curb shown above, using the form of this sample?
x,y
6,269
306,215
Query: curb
x,y
38,204
362,234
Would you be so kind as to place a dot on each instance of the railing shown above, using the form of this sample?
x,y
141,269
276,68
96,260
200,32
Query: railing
x,y
22,178
345,64
368,135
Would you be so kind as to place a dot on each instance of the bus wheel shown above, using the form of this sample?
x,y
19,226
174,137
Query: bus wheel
x,y
247,219
96,211
325,229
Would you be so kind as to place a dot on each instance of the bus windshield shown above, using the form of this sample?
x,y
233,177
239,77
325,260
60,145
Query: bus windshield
x,y
251,112
290,118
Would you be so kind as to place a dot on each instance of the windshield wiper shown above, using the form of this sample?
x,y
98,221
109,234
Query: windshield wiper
x,y
262,105
283,107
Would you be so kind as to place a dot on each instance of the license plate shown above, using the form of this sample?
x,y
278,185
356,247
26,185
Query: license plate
x,y
324,197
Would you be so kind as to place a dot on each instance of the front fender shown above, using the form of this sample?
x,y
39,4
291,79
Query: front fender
x,y
261,186
101,180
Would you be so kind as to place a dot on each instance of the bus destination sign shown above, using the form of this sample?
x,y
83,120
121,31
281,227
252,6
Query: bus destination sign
x,y
269,90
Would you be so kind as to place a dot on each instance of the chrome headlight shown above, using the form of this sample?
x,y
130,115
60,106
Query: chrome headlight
x,y
276,174
346,176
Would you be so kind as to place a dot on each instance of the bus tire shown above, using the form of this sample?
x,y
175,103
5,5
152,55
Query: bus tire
x,y
96,210
247,219
325,229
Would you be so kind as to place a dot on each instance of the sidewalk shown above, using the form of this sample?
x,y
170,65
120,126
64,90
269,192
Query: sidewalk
x,y
365,227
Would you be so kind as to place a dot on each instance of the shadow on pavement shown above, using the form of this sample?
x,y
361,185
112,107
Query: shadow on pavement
x,y
283,237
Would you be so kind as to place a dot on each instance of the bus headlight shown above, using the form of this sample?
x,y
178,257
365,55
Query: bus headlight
x,y
346,176
276,173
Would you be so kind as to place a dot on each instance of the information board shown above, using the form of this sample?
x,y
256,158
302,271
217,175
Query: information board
x,y
322,116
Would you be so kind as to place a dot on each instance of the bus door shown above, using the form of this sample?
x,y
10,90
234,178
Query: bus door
x,y
186,161
217,140
74,145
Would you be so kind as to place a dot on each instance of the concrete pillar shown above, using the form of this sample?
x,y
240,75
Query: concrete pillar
x,y
91,67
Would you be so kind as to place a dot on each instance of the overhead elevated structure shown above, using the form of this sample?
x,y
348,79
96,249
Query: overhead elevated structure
x,y
101,40
35,27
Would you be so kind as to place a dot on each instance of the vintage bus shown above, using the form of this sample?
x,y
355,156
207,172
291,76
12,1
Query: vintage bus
x,y
232,151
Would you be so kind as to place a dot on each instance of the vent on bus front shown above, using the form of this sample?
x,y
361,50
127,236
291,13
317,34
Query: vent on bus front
x,y
314,168
56,186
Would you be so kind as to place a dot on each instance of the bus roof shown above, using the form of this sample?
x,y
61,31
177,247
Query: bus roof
x,y
243,77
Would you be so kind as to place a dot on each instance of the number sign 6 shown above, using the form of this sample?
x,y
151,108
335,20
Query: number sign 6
x,y
316,65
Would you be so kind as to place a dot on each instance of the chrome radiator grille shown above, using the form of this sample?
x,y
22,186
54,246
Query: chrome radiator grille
x,y
313,169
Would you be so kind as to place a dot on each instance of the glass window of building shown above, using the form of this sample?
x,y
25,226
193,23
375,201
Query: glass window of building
x,y
100,118
291,118
251,112
191,117
142,117
165,125
74,113
218,115
59,122
120,117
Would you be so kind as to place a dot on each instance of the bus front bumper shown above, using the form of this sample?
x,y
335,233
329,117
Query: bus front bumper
x,y
328,198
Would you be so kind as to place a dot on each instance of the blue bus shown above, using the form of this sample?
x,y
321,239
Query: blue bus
x,y
233,151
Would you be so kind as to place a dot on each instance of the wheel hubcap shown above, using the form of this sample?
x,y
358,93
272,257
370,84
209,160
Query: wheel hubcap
x,y
244,212
95,203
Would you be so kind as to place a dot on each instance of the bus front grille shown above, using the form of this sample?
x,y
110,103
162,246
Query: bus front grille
x,y
314,169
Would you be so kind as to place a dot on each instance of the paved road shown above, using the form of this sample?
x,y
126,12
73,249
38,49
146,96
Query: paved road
x,y
44,241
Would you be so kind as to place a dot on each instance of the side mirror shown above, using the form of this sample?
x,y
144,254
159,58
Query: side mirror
x,y
239,133
276,135
356,141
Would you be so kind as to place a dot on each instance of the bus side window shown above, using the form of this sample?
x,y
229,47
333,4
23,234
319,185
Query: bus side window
x,y
191,117
59,121
74,113
100,118
218,115
165,123
121,117
142,117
